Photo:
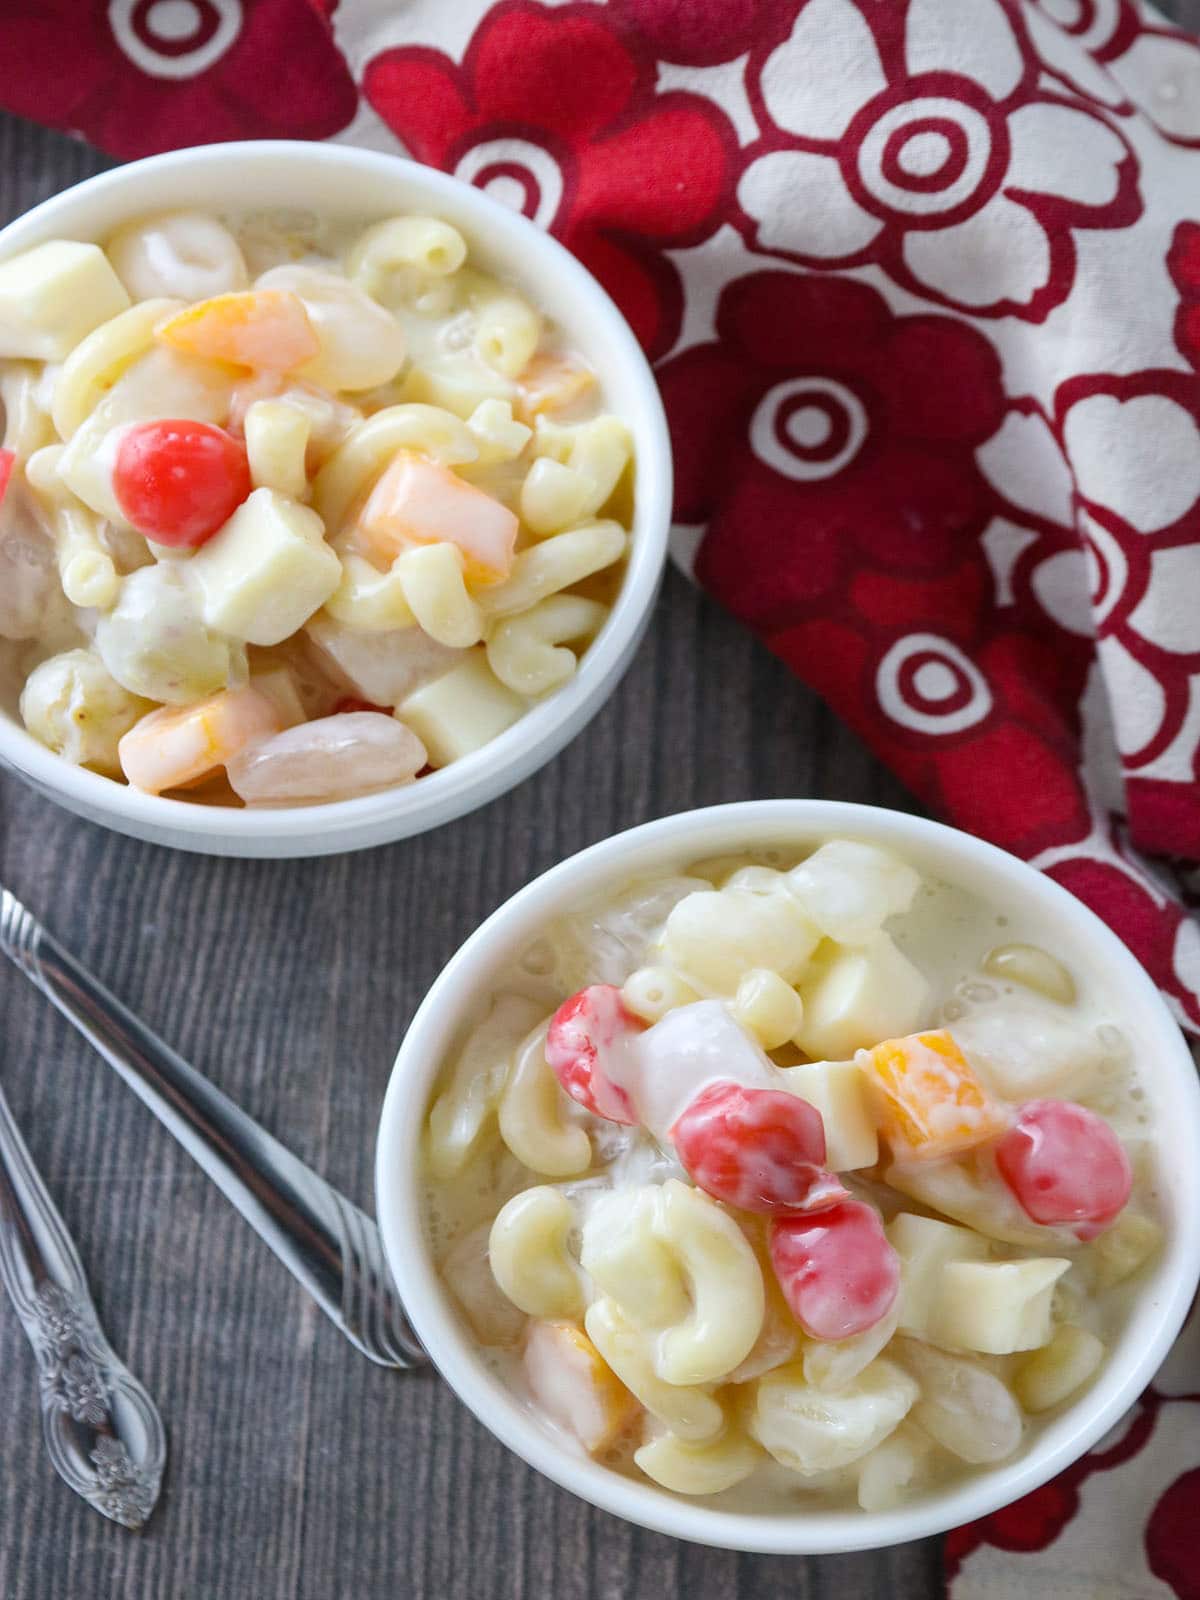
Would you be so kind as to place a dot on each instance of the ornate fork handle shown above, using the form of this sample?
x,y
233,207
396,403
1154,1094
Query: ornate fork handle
x,y
325,1241
102,1430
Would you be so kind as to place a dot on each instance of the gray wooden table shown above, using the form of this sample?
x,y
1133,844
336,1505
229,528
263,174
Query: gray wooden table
x,y
297,1470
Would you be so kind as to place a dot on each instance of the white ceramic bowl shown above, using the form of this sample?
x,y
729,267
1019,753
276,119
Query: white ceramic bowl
x,y
362,184
1166,1071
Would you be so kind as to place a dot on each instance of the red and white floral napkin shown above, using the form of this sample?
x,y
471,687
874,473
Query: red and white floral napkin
x,y
921,279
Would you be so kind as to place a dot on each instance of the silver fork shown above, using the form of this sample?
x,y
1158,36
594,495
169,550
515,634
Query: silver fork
x,y
327,1243
103,1432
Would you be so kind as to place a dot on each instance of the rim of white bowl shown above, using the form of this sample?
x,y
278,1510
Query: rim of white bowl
x,y
1148,1333
520,750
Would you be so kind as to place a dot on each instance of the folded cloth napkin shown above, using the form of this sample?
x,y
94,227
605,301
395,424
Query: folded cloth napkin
x,y
922,282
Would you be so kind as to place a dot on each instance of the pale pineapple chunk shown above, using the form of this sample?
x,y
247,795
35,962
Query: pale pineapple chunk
x,y
812,1431
925,1247
53,296
461,711
995,1307
468,1275
574,1386
1122,1249
850,890
966,1408
1053,1373
893,1468
279,687
266,571
855,996
839,1092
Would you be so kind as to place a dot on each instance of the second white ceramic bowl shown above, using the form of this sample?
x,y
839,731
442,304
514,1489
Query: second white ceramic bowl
x,y
363,185
1004,884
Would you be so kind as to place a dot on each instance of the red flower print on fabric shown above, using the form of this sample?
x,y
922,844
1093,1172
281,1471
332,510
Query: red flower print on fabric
x,y
702,33
1123,57
136,78
1141,531
552,113
917,137
848,518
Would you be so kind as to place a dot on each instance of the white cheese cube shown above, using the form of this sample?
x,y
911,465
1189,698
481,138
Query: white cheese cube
x,y
925,1247
996,1307
461,711
266,571
853,998
53,296
839,1092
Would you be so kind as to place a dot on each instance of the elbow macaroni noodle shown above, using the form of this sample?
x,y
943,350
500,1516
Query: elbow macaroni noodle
x,y
527,651
531,1121
302,424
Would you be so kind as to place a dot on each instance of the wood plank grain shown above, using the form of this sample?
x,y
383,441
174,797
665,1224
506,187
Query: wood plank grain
x,y
299,1471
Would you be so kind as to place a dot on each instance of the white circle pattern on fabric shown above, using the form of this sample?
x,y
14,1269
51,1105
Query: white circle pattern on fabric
x,y
934,680
808,428
518,173
925,156
927,684
171,19
175,38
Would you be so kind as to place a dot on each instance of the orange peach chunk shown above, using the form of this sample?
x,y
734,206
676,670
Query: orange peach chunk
x,y
550,383
261,328
570,1380
929,1102
420,502
179,745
